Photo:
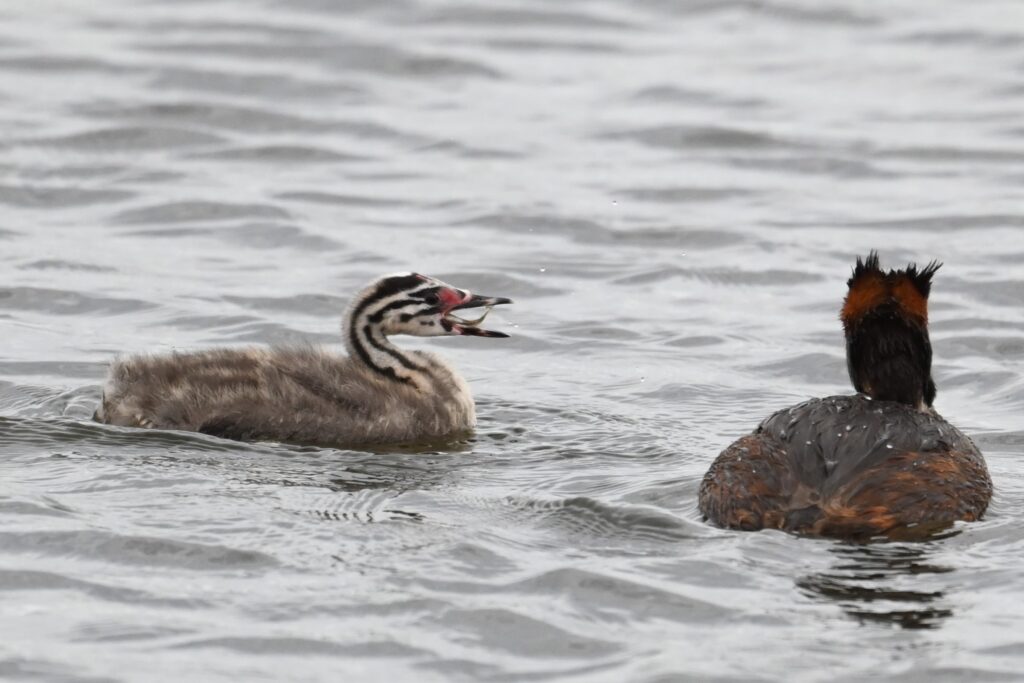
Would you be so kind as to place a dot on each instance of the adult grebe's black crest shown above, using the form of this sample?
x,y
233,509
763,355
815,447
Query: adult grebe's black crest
x,y
379,393
881,462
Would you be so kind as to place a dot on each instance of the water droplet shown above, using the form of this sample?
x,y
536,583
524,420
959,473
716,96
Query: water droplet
x,y
888,445
849,427
808,443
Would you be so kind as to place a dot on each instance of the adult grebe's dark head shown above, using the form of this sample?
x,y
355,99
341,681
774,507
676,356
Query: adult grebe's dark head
x,y
885,318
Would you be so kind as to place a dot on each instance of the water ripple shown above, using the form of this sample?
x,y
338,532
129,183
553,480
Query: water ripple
x,y
195,211
120,549
40,197
131,139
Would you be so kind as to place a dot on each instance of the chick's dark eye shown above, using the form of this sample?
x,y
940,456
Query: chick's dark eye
x,y
429,296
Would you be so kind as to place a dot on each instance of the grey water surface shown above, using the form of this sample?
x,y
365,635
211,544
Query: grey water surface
x,y
672,192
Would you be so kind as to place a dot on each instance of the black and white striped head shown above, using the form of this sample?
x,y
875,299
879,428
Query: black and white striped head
x,y
414,304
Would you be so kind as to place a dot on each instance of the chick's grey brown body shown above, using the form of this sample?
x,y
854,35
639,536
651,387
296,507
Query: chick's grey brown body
x,y
305,394
300,395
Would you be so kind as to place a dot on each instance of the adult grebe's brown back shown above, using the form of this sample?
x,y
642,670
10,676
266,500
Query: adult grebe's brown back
x,y
880,463
310,395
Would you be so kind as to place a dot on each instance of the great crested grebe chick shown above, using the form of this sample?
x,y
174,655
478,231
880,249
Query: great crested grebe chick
x,y
310,395
879,463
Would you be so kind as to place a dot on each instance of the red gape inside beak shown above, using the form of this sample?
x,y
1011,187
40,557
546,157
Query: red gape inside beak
x,y
452,298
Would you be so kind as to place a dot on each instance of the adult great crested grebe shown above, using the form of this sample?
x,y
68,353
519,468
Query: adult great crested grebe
x,y
310,395
879,463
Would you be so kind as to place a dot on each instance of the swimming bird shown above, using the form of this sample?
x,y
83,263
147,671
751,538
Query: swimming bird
x,y
878,463
311,395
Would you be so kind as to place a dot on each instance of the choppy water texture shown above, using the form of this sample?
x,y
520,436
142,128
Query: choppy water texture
x,y
673,193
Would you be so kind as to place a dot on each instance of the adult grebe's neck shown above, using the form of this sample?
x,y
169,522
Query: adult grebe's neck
x,y
885,318
889,359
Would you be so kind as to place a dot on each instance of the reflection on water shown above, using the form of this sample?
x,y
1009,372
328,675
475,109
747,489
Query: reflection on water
x,y
882,583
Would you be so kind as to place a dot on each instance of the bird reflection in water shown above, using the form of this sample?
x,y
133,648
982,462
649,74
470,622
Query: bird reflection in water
x,y
869,583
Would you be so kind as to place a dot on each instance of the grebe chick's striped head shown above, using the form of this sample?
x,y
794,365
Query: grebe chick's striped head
x,y
414,304
885,319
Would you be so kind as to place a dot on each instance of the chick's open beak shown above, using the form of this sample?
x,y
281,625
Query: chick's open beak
x,y
469,327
